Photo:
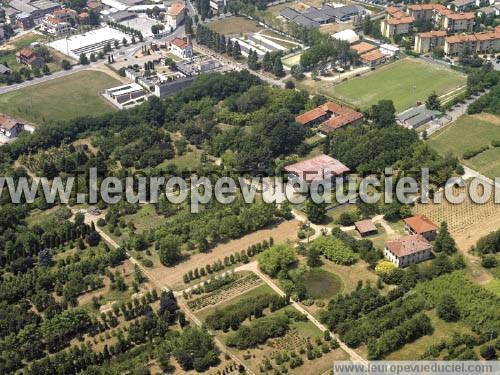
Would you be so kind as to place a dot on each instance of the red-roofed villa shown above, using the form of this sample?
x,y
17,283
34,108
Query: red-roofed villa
x,y
407,250
318,168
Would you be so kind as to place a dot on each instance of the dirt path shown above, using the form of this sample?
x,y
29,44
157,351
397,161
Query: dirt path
x,y
253,266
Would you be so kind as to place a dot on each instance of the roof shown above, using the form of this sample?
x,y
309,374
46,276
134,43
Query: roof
x,y
408,245
64,11
400,21
311,115
316,15
372,56
315,168
22,6
395,12
430,6
26,52
365,226
175,9
7,122
340,121
181,43
304,21
347,35
487,10
45,4
340,12
433,34
420,224
289,13
4,69
461,16
460,3
363,47
481,37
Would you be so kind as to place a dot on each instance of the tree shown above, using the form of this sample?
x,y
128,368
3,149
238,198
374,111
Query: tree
x,y
488,352
289,85
169,250
45,258
253,62
489,261
316,212
278,68
277,258
447,309
313,257
444,242
433,103
383,113
438,53
83,59
297,72
45,69
195,349
188,25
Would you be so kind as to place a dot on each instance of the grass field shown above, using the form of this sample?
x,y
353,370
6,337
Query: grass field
x,y
234,25
404,82
60,99
472,132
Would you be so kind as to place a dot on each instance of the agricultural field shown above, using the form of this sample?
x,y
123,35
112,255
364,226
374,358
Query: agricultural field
x,y
404,82
285,351
60,98
471,132
234,26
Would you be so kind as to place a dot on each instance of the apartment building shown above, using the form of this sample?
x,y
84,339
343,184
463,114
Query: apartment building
x,y
485,42
396,23
425,42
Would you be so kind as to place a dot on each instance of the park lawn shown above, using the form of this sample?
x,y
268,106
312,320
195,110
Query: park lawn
x,y
442,330
60,99
471,132
404,82
234,25
350,275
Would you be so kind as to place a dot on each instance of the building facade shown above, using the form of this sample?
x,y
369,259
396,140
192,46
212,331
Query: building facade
x,y
407,250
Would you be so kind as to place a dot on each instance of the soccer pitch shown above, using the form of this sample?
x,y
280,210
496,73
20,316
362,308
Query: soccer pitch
x,y
404,82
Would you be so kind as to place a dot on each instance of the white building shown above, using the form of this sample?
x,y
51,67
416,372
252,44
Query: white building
x,y
407,250
54,26
175,15
181,48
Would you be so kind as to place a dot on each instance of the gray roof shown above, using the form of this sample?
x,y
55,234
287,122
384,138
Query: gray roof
x,y
417,115
4,69
122,15
487,10
316,15
10,11
289,13
459,3
347,10
45,4
304,21
22,6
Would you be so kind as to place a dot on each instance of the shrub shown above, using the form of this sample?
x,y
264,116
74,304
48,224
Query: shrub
x,y
469,154
489,261
147,263
334,249
384,267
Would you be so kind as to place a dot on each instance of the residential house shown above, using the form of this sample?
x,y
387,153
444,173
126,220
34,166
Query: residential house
x,y
181,48
10,127
29,57
365,227
461,5
54,26
329,116
421,225
175,15
66,15
394,26
459,22
407,250
373,58
425,42
363,47
488,11
321,168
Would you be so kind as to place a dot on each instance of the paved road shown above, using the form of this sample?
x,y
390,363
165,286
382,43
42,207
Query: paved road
x,y
253,267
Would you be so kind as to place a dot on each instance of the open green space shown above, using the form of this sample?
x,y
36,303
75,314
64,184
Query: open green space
x,y
234,25
469,133
322,284
60,99
404,82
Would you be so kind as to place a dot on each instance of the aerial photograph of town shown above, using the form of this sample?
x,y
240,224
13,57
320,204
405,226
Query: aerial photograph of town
x,y
250,187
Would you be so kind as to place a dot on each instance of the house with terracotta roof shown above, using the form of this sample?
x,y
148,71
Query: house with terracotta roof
x,y
54,26
176,14
319,168
392,26
363,47
329,116
485,42
373,58
29,57
425,42
407,250
365,227
181,48
9,126
422,225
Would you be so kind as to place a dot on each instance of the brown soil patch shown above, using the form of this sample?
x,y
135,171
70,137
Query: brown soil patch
x,y
488,117
285,231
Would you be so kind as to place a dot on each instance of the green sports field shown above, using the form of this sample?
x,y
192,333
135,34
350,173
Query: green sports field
x,y
404,82
472,132
60,99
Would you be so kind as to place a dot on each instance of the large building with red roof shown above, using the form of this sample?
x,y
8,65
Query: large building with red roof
x,y
421,224
407,250
318,168
329,116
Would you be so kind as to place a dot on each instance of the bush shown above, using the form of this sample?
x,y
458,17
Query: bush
x,y
488,352
471,153
489,261
384,267
147,263
334,249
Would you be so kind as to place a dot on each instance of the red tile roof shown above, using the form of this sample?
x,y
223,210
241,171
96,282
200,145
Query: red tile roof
x,y
363,47
400,21
365,226
340,121
175,9
395,12
372,56
7,122
461,16
26,53
181,43
311,115
433,34
316,168
431,6
408,245
339,116
420,224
